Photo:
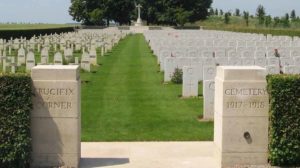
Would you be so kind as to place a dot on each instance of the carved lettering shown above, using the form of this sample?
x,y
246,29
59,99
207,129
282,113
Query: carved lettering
x,y
246,92
241,104
55,91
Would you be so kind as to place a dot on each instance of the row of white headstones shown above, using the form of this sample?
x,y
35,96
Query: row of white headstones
x,y
64,44
198,53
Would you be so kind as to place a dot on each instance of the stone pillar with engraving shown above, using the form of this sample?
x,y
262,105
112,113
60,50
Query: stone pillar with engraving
x,y
241,116
55,119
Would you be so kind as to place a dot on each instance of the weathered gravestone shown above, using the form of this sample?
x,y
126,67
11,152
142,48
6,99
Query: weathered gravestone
x,y
190,82
44,56
58,60
30,61
93,56
68,54
55,119
198,63
209,96
170,65
209,72
85,62
241,116
21,56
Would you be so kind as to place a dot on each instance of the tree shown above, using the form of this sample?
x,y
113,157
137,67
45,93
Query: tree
x,y
293,15
120,10
154,11
182,16
246,18
166,10
227,18
286,20
97,17
211,12
217,12
260,13
276,21
237,12
79,12
268,21
221,12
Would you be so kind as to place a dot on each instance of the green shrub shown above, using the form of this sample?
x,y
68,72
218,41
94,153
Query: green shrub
x,y
15,108
177,76
284,130
28,33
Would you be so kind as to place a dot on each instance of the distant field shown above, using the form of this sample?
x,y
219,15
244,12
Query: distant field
x,y
31,26
237,24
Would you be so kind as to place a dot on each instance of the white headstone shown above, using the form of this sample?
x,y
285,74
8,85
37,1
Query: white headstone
x,y
68,54
58,60
85,62
44,56
208,95
93,56
262,62
170,65
30,61
209,72
273,69
190,82
21,56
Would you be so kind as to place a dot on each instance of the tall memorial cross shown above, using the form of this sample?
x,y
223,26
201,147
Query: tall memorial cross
x,y
139,6
139,21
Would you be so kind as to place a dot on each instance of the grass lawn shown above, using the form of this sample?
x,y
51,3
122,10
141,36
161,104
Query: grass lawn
x,y
125,100
31,26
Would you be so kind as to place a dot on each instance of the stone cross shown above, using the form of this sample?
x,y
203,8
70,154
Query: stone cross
x,y
139,10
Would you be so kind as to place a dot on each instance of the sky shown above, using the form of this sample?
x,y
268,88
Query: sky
x,y
56,11
273,7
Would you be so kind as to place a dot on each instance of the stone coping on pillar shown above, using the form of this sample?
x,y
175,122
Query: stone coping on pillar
x,y
245,73
55,72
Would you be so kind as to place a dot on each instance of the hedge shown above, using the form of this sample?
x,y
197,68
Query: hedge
x,y
15,108
284,129
187,27
28,33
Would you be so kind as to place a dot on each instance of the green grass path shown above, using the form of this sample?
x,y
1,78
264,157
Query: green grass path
x,y
125,100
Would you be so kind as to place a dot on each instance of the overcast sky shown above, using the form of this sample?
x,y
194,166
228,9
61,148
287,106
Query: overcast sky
x,y
56,11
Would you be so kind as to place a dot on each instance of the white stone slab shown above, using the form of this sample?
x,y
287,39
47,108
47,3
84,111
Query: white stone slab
x,y
209,96
190,82
241,116
30,61
55,120
170,65
273,69
58,60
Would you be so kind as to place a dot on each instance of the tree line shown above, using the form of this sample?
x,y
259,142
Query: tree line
x,y
156,12
261,15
